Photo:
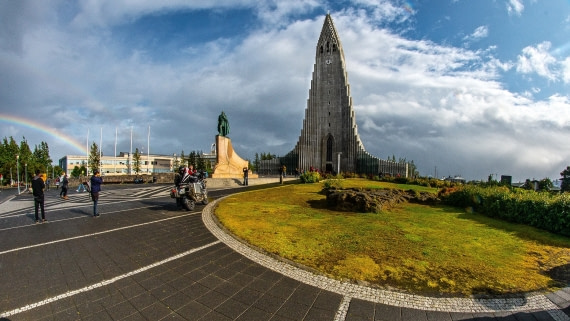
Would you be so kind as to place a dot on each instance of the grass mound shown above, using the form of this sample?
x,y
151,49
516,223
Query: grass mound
x,y
418,248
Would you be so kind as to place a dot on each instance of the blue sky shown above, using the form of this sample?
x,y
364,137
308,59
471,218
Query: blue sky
x,y
472,87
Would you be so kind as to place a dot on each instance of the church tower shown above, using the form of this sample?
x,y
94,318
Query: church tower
x,y
329,139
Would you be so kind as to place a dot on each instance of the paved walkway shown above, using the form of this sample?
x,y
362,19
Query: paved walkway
x,y
145,259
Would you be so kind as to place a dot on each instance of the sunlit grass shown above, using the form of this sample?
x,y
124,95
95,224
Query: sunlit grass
x,y
413,247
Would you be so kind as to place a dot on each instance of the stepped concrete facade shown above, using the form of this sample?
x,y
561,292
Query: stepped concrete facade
x,y
329,139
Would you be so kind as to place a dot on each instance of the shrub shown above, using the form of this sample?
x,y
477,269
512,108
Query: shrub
x,y
541,210
401,180
334,182
310,177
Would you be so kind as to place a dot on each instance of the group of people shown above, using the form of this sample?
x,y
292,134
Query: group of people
x,y
184,174
39,185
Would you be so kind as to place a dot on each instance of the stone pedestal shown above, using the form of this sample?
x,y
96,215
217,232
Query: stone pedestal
x,y
229,164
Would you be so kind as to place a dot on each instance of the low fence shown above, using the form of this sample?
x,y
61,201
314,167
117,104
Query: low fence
x,y
127,179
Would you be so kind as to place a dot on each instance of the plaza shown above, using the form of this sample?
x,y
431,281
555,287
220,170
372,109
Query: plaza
x,y
146,259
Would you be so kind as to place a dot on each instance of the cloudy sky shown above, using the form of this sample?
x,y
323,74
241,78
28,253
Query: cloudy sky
x,y
470,87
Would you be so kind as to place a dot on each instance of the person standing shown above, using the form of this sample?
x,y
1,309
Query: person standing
x,y
245,176
38,186
96,182
64,185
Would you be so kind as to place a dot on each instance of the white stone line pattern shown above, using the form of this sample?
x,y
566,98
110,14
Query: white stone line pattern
x,y
92,234
103,283
529,302
343,309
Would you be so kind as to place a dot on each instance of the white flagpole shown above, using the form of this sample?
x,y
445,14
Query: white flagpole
x,y
87,152
115,159
131,152
148,150
101,151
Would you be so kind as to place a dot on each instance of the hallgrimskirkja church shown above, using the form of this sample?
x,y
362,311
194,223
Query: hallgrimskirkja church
x,y
329,139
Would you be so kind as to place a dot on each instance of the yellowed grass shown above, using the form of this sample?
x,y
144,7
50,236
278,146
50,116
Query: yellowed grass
x,y
422,249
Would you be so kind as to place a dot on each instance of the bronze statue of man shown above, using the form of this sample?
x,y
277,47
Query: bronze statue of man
x,y
223,125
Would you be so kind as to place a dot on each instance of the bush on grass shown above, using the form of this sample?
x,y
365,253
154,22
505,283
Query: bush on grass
x,y
542,210
310,177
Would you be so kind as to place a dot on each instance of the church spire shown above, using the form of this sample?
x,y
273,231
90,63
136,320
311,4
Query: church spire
x,y
329,139
329,40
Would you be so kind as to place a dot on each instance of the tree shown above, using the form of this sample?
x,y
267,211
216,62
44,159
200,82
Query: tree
x,y
183,161
76,172
192,159
528,184
565,186
137,161
57,170
256,162
94,158
8,151
545,184
267,156
200,161
26,160
41,157
175,164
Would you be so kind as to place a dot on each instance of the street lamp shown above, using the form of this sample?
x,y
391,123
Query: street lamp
x,y
18,172
26,174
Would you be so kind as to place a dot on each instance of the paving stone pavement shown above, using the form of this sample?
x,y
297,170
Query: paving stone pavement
x,y
144,259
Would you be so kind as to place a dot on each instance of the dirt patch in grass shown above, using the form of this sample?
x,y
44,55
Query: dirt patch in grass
x,y
432,250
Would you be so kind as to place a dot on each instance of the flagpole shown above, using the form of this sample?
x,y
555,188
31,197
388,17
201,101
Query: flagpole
x,y
115,159
101,150
148,150
87,153
131,152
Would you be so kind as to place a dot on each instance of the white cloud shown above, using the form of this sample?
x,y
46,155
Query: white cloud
x,y
479,33
105,13
439,105
537,60
566,70
515,7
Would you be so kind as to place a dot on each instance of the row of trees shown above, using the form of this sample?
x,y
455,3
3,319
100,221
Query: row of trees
x,y
194,158
19,160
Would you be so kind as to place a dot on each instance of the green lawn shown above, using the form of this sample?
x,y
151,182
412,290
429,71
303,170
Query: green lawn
x,y
418,248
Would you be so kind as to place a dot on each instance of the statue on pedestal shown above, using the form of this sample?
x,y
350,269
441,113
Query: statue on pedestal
x,y
228,162
223,125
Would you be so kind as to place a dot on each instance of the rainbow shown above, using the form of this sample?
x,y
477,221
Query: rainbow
x,y
10,119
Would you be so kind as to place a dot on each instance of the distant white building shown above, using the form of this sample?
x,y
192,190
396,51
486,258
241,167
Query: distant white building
x,y
123,164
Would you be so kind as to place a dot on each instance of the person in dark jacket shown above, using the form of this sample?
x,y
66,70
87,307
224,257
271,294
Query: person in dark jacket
x,y
38,186
64,186
96,182
245,176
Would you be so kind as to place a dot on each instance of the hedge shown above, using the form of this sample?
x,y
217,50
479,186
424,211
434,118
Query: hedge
x,y
539,209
